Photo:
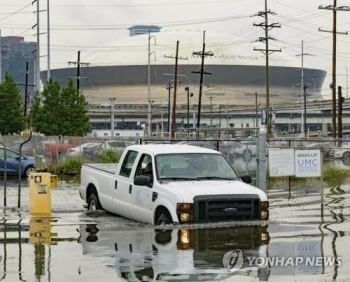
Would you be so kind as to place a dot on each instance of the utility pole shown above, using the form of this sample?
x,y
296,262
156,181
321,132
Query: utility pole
x,y
78,64
37,25
340,112
203,55
266,26
304,127
25,110
173,119
48,41
303,90
334,32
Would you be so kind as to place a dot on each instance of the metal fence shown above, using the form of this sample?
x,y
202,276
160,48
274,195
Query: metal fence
x,y
242,154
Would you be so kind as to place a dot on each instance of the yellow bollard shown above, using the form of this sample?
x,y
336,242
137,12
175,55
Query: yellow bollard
x,y
40,185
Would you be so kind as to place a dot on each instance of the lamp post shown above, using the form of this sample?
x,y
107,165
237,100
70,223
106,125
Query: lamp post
x,y
151,103
188,105
149,84
112,116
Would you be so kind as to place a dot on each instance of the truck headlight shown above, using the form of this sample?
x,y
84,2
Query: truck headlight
x,y
184,212
264,215
185,217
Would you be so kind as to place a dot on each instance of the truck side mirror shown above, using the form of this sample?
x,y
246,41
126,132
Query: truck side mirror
x,y
142,180
246,179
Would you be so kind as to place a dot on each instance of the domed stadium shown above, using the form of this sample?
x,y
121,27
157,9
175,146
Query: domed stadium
x,y
140,70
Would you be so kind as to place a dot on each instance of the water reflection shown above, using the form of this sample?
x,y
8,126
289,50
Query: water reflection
x,y
179,254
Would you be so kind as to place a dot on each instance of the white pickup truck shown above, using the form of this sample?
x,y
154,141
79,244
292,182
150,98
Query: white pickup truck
x,y
170,183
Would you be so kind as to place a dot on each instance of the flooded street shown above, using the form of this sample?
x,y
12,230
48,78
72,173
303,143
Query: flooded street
x,y
303,241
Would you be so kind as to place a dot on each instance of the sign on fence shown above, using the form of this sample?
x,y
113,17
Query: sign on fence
x,y
307,163
281,162
288,162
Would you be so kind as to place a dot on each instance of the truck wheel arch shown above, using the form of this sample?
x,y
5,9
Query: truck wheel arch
x,y
162,216
91,190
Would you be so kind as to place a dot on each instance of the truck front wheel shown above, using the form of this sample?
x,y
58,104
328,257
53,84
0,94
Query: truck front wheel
x,y
163,217
94,203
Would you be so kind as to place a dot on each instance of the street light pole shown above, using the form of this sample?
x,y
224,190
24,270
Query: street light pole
x,y
149,85
112,116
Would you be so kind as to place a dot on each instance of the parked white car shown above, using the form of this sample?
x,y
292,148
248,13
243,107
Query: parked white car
x,y
340,153
77,152
115,145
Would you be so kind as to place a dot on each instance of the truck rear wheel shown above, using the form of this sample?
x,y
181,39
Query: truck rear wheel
x,y
163,217
94,203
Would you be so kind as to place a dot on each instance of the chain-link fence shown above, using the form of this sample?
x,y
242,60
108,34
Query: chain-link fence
x,y
241,153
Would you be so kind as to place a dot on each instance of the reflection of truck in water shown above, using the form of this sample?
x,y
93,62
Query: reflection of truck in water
x,y
148,254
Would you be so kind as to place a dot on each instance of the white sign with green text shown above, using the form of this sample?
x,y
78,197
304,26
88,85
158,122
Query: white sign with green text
x,y
307,163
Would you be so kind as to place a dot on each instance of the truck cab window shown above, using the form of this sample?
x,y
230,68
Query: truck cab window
x,y
128,163
145,166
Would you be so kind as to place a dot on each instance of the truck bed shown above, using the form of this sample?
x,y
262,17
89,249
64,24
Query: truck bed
x,y
109,168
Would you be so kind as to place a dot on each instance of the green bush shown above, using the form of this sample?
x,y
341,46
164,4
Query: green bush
x,y
69,167
72,167
109,156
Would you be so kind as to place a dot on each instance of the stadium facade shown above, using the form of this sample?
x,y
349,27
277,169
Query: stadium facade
x,y
140,70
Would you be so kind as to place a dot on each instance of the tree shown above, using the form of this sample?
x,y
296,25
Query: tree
x,y
12,119
60,111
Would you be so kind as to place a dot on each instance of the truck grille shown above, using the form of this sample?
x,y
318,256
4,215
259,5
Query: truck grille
x,y
215,208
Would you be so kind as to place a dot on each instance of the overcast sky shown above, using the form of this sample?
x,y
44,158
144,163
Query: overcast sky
x,y
79,25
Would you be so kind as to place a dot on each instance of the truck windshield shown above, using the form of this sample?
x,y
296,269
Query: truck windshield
x,y
194,166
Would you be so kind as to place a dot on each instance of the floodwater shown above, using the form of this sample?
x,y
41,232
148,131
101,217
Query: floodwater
x,y
73,245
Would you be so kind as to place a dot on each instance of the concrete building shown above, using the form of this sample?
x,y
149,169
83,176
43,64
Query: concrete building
x,y
15,53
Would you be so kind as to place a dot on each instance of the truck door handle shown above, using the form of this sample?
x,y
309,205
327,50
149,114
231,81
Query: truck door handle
x,y
130,188
116,184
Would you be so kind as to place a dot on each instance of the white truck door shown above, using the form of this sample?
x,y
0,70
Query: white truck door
x,y
123,185
141,203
